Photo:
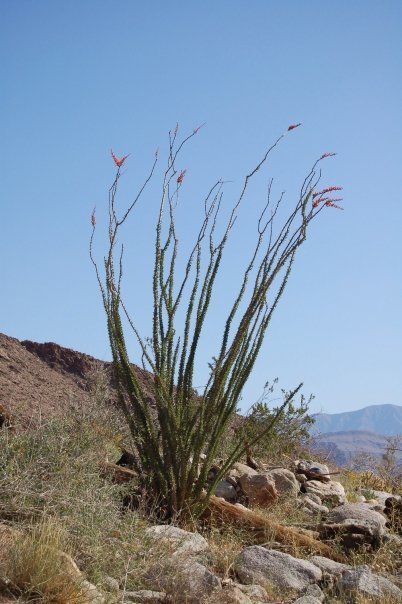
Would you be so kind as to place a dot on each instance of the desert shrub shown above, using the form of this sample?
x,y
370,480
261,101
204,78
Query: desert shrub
x,y
380,473
389,468
177,439
290,431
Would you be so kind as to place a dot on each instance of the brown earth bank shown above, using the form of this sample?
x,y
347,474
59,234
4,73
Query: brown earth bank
x,y
40,381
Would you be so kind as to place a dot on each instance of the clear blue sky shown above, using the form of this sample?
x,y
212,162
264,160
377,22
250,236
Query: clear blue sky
x,y
81,76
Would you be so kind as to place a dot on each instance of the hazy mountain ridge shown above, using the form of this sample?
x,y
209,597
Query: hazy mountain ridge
x,y
344,446
366,430
378,419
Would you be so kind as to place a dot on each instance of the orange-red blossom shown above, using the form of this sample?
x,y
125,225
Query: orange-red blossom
x,y
117,161
181,176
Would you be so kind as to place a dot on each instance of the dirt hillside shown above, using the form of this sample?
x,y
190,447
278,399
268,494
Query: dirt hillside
x,y
38,381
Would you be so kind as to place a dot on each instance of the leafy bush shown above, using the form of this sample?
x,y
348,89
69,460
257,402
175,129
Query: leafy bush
x,y
290,431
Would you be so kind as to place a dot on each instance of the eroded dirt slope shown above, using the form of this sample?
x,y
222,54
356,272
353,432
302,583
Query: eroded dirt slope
x,y
39,381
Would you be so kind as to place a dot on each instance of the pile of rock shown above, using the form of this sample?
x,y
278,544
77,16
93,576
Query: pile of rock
x,y
185,575
252,487
182,573
308,480
315,480
310,484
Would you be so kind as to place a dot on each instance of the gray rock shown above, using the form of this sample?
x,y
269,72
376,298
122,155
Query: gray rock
x,y
382,496
230,594
328,566
362,580
392,539
285,482
111,584
187,581
312,506
307,600
359,514
256,564
253,591
329,492
315,592
145,596
226,490
313,497
177,540
91,593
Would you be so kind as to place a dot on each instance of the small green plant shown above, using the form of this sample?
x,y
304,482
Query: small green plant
x,y
177,438
291,430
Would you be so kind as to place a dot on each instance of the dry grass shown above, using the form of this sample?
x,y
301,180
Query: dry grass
x,y
39,566
51,488
53,473
362,599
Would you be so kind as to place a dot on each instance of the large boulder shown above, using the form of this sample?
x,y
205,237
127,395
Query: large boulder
x,y
361,580
359,514
259,488
255,564
329,492
285,482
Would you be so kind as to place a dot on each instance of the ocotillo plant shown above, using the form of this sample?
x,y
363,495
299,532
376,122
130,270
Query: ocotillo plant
x,y
178,436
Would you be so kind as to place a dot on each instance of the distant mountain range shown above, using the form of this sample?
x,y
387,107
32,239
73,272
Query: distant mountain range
x,y
347,434
381,419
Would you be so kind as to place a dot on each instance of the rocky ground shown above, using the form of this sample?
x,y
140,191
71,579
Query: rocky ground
x,y
300,535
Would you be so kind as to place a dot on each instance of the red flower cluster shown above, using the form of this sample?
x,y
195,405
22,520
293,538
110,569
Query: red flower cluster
x,y
330,203
293,126
320,197
327,190
117,161
181,176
